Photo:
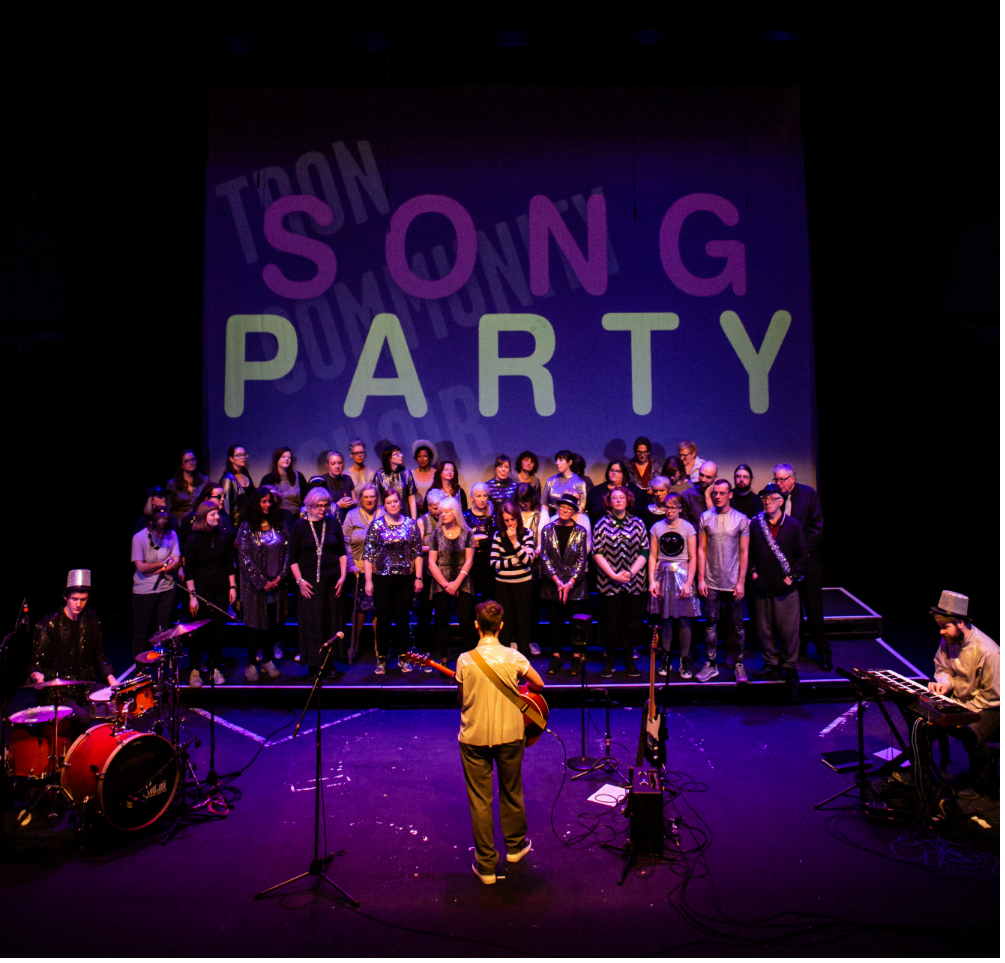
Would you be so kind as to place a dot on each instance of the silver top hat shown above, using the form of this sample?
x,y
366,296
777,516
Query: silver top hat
x,y
79,578
424,443
952,603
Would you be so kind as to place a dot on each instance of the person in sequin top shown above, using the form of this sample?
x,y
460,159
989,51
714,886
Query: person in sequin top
x,y
392,565
263,554
502,486
565,482
236,483
480,518
394,477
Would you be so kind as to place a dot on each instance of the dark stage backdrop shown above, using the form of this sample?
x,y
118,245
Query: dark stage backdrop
x,y
495,269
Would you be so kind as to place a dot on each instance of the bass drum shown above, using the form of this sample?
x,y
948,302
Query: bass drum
x,y
129,778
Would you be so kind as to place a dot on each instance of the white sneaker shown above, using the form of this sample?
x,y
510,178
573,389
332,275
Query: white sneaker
x,y
218,678
707,673
270,669
740,673
535,649
381,669
296,658
277,653
405,666
487,880
194,679
251,674
520,853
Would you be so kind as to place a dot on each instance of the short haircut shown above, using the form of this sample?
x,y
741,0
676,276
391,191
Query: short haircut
x,y
522,456
489,616
722,481
332,454
674,499
385,456
479,487
369,488
434,496
425,448
630,498
564,453
355,442
316,495
528,495
746,468
502,460
784,467
199,523
76,590
687,446
660,481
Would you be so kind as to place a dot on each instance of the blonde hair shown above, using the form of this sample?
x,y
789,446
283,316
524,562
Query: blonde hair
x,y
455,506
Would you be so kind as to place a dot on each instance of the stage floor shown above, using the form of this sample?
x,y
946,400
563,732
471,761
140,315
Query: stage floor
x,y
758,873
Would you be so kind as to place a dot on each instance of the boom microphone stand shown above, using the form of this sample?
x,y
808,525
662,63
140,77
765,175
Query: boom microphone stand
x,y
319,864
579,629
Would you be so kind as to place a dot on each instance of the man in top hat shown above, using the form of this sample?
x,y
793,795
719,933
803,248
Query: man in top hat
x,y
68,645
966,669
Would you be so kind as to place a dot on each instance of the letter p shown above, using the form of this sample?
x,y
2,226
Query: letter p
x,y
239,370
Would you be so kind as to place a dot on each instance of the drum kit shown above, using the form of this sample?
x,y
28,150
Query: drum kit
x,y
127,777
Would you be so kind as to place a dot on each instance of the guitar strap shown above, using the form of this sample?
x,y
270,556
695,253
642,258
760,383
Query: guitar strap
x,y
525,706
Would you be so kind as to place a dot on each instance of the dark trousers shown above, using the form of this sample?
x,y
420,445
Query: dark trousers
x,y
424,617
722,604
975,738
560,615
683,626
392,602
465,605
777,619
517,600
483,576
151,613
265,639
811,594
477,762
620,617
210,637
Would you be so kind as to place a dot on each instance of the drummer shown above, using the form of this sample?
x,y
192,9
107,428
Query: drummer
x,y
68,646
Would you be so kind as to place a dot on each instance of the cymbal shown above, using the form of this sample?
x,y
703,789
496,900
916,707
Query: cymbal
x,y
180,629
149,657
57,682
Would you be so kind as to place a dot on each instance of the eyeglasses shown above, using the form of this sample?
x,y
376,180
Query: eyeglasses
x,y
781,478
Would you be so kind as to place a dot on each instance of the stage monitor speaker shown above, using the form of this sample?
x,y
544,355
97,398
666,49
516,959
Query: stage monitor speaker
x,y
645,813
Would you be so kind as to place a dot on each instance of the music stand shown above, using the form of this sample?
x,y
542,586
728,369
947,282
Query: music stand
x,y
319,864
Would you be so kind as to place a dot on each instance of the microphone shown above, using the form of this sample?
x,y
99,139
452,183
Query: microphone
x,y
335,638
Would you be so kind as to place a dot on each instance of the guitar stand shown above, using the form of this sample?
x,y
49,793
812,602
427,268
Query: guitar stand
x,y
319,864
607,763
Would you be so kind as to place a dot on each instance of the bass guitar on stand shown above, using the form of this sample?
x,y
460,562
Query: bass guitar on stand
x,y
653,733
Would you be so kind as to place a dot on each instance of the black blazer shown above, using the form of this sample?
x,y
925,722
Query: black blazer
x,y
806,510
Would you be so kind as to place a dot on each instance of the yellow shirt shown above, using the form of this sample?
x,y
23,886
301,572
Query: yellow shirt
x,y
488,718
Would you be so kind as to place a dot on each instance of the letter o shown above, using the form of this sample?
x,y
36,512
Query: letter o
x,y
467,246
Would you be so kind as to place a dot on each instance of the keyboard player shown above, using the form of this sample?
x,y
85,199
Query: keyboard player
x,y
966,668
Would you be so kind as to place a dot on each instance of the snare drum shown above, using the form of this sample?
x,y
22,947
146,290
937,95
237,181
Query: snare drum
x,y
129,778
31,740
133,698
101,705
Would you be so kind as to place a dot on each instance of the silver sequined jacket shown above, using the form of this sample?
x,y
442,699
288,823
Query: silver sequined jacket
x,y
570,566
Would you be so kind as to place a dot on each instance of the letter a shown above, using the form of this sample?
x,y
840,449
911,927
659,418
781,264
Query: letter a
x,y
385,327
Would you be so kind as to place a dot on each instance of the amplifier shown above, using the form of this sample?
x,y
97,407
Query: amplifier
x,y
645,813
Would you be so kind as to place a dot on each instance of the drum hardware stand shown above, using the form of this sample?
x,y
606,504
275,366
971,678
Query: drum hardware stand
x,y
54,788
580,625
319,864
608,763
22,619
353,632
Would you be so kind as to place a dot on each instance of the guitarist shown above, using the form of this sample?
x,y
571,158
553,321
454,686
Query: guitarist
x,y
492,732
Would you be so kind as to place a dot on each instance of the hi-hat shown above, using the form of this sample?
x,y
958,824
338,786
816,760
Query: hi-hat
x,y
56,682
182,628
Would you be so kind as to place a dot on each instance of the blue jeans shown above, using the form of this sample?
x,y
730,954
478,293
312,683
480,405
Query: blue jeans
x,y
718,604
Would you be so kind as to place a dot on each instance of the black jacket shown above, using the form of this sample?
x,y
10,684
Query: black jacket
x,y
82,658
770,574
806,510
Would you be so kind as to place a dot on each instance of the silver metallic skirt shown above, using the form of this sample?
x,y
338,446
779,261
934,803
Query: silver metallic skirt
x,y
670,579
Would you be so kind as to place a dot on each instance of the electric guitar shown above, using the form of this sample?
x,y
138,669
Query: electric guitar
x,y
534,708
653,735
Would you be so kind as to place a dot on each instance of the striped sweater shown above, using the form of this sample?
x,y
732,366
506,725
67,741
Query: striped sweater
x,y
512,565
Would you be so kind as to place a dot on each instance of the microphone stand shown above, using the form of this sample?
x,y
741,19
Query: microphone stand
x,y
319,864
